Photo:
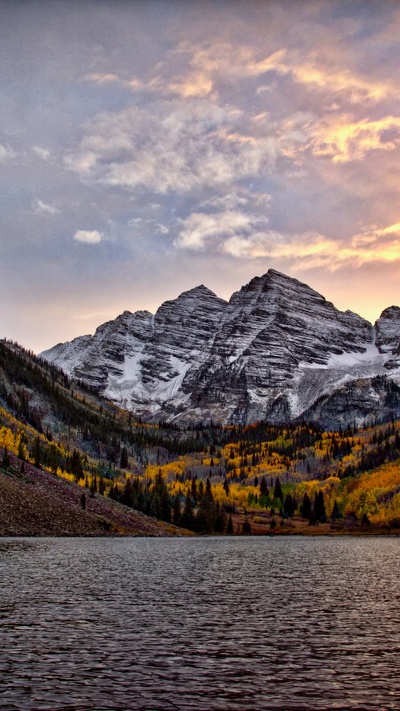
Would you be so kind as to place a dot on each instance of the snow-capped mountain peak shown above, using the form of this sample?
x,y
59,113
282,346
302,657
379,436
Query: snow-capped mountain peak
x,y
277,350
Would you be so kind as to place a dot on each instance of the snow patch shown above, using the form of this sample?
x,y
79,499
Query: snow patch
x,y
348,360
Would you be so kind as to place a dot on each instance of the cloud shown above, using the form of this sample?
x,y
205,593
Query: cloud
x,y
391,230
228,201
312,73
239,235
214,61
40,207
211,62
217,232
163,229
88,236
196,85
132,84
102,78
41,152
6,153
172,146
344,140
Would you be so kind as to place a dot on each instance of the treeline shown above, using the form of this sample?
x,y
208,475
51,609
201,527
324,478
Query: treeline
x,y
96,425
385,448
287,505
196,511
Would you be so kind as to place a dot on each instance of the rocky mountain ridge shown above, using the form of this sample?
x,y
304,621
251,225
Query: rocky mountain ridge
x,y
277,350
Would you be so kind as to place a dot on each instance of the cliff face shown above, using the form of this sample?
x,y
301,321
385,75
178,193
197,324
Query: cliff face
x,y
277,350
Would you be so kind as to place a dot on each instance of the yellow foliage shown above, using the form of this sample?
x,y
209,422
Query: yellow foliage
x,y
168,471
349,459
328,485
374,493
207,461
309,487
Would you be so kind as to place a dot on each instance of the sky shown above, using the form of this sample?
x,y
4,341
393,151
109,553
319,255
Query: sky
x,y
149,147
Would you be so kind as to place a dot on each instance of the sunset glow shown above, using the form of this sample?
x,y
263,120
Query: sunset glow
x,y
150,147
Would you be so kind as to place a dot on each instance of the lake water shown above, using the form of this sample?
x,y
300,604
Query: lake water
x,y
212,623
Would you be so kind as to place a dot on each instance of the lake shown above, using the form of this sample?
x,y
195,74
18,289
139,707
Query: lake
x,y
209,623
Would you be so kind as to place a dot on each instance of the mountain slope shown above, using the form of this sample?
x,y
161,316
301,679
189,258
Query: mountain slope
x,y
36,503
276,351
54,436
58,443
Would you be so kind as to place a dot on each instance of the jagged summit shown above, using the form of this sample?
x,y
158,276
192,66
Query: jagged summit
x,y
276,350
272,277
391,312
192,299
200,289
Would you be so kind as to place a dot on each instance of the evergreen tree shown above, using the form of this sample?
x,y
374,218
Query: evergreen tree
x,y
278,493
124,462
75,466
312,519
166,508
127,494
226,486
305,508
154,507
194,490
140,500
246,527
229,527
206,513
220,519
336,511
365,522
93,486
188,518
37,454
264,491
162,503
21,451
53,459
114,492
288,508
5,462
319,507
176,511
200,491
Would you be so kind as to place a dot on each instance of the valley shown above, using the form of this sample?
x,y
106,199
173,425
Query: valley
x,y
60,439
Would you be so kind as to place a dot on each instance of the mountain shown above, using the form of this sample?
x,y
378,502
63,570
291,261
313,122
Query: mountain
x,y
36,503
73,463
277,350
59,442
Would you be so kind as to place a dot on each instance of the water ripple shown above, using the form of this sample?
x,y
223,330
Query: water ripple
x,y
199,624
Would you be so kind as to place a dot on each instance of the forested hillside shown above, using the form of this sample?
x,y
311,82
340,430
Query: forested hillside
x,y
240,479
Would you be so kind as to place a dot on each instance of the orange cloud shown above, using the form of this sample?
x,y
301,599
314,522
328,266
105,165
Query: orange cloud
x,y
239,235
343,140
207,62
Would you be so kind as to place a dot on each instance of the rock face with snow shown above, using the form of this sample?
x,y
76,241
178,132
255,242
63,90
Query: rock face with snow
x,y
278,350
388,331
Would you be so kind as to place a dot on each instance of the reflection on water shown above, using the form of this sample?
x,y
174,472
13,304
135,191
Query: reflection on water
x,y
160,624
